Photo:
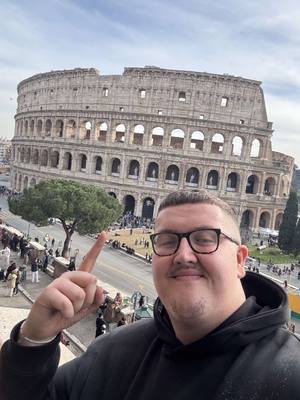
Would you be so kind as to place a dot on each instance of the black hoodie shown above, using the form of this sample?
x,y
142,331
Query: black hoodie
x,y
249,356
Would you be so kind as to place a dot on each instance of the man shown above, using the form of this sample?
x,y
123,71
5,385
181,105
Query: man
x,y
217,333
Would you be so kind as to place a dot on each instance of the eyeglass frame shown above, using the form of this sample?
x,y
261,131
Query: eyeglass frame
x,y
187,236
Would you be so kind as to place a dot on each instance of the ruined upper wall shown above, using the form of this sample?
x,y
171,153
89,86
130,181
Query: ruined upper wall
x,y
149,90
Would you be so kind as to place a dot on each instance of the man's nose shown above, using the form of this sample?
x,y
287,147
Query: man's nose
x,y
185,254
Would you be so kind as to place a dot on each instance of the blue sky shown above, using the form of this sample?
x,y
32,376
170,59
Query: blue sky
x,y
256,39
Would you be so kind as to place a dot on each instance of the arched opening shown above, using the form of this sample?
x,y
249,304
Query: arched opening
x,y
71,129
35,156
172,175
102,132
252,184
177,139
148,208
181,97
264,220
115,167
82,162
19,187
59,128
32,127
212,180
278,221
269,187
98,165
44,158
26,127
119,135
129,204
157,136
67,161
247,219
27,155
138,135
152,172
32,182
39,127
85,130
22,154
197,140
25,183
217,144
48,127
236,146
255,148
134,169
54,159
192,177
232,181
112,194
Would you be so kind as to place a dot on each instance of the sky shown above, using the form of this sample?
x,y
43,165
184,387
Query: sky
x,y
255,39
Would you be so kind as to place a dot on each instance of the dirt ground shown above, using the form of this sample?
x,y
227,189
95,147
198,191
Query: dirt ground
x,y
138,234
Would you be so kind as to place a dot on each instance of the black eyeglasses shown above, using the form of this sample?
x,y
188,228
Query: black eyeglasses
x,y
202,241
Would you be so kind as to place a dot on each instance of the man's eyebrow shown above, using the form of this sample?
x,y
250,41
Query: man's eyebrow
x,y
167,230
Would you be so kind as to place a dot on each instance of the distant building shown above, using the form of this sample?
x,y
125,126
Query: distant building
x,y
150,131
5,151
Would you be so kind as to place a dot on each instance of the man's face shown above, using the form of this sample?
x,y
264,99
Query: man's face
x,y
193,285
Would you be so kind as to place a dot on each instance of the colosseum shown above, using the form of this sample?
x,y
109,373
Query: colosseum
x,y
151,131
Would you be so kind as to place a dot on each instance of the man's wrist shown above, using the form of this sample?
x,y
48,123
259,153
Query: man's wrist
x,y
27,341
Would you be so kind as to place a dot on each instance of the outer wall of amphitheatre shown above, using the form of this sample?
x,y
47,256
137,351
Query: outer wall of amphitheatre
x,y
150,131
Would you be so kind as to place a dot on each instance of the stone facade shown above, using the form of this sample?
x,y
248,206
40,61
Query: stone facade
x,y
150,131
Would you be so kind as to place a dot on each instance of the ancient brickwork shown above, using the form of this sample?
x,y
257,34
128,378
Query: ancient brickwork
x,y
150,131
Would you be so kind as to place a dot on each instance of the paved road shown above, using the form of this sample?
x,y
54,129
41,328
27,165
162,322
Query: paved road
x,y
127,274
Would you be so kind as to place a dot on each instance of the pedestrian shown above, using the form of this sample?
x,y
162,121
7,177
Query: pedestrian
x,y
16,288
6,254
57,253
52,242
101,327
11,281
211,319
141,301
35,271
71,266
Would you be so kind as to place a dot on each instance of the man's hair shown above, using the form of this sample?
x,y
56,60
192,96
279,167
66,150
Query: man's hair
x,y
196,196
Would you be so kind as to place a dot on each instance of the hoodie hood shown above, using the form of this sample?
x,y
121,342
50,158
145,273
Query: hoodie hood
x,y
265,309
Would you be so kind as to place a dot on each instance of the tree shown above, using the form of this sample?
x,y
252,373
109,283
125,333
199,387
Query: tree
x,y
84,208
296,241
288,225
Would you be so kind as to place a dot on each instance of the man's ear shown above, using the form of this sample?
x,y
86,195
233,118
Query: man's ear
x,y
241,256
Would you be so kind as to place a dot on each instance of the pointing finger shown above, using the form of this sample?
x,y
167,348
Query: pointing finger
x,y
91,257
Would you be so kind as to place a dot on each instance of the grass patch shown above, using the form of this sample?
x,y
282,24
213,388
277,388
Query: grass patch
x,y
273,253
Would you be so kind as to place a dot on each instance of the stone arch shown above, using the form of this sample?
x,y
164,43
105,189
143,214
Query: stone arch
x,y
247,219
269,186
152,172
59,128
138,135
32,127
118,135
54,159
217,143
48,127
71,129
85,129
44,158
278,221
22,154
172,174
82,162
232,182
252,184
129,204
27,155
112,194
237,146
19,187
39,127
192,177
21,128
197,140
134,169
255,148
115,167
101,131
26,128
67,161
177,139
98,164
212,179
148,208
35,156
157,136
264,220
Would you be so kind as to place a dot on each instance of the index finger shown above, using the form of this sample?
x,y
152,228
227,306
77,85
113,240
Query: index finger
x,y
91,257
